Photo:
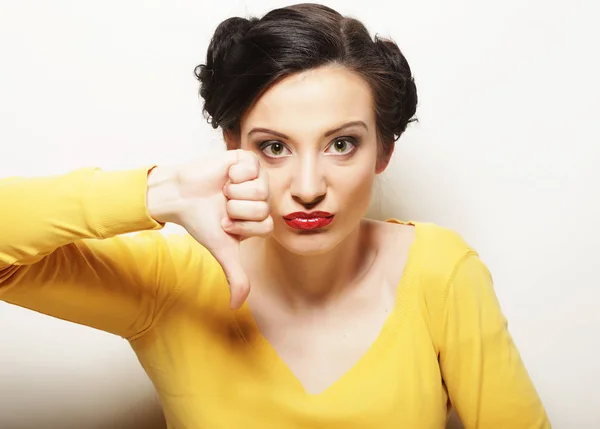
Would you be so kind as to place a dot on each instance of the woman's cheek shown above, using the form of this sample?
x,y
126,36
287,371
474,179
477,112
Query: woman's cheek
x,y
277,186
355,183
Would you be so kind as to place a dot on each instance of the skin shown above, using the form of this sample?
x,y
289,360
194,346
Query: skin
x,y
345,272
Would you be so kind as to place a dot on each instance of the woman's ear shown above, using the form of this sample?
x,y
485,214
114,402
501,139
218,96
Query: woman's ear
x,y
384,158
232,141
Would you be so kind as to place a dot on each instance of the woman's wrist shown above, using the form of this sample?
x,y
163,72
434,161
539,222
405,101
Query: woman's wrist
x,y
163,198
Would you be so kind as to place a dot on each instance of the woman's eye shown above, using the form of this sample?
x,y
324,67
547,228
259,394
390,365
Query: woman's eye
x,y
342,146
275,150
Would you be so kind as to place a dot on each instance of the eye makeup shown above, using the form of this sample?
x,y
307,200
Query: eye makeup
x,y
342,146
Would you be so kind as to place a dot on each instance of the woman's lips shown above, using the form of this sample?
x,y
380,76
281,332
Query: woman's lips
x,y
306,221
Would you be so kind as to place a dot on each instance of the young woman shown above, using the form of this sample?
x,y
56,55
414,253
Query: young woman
x,y
330,320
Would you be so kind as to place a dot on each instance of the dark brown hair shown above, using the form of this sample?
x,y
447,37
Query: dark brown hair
x,y
247,56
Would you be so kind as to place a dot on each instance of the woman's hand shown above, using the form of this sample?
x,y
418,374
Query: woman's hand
x,y
219,201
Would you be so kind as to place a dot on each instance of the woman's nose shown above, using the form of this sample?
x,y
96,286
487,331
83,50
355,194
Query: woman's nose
x,y
308,185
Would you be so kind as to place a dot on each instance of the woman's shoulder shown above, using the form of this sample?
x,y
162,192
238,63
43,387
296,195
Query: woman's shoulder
x,y
437,251
436,241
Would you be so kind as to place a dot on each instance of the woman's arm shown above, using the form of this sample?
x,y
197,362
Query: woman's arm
x,y
62,251
60,254
486,379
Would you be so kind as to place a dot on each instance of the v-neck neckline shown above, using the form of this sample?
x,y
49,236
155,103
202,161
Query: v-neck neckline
x,y
249,329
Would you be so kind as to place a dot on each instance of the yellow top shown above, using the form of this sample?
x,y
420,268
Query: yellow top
x,y
446,341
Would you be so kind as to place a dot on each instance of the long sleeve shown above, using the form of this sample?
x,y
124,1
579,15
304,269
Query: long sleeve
x,y
62,251
486,379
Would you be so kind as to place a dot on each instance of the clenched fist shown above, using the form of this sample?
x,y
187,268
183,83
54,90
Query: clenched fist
x,y
219,201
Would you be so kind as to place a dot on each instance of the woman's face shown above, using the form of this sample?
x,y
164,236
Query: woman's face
x,y
315,135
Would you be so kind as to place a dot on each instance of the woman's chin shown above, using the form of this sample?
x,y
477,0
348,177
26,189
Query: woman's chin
x,y
307,243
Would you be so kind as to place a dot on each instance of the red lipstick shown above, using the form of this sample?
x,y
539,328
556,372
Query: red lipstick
x,y
306,221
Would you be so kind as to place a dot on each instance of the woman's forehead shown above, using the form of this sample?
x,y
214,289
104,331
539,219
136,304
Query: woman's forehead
x,y
313,101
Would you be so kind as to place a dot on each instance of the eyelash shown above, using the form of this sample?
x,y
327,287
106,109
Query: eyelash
x,y
354,142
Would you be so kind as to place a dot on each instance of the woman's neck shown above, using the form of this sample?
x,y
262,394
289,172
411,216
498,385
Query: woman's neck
x,y
314,280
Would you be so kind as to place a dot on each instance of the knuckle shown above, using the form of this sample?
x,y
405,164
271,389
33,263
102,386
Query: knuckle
x,y
230,190
240,173
269,224
263,210
264,228
251,157
231,207
227,189
245,173
261,193
234,171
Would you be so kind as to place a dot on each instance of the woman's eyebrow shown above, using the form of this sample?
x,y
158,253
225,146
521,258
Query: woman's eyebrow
x,y
267,131
347,125
327,134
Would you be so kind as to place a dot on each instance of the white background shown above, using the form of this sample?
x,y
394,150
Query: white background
x,y
506,152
